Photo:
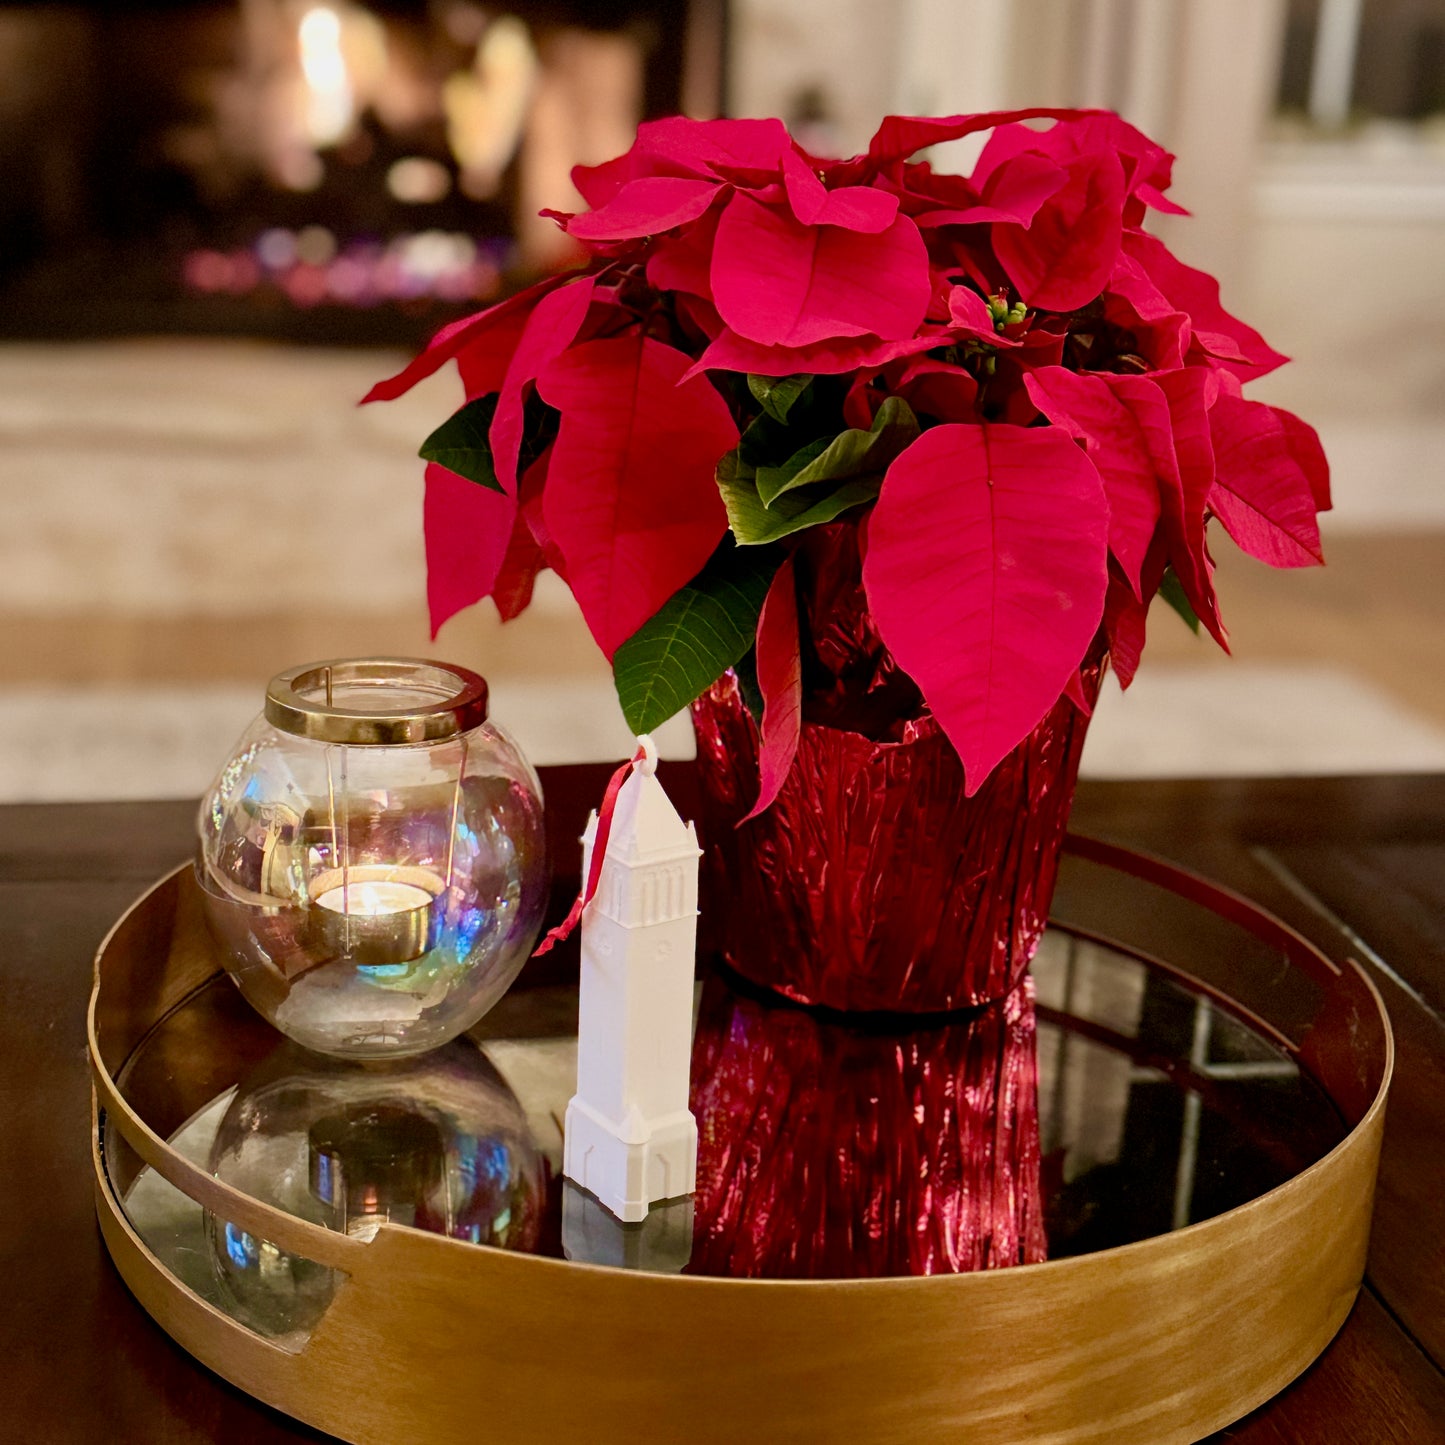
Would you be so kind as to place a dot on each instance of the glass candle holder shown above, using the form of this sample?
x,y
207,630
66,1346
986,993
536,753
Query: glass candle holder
x,y
372,857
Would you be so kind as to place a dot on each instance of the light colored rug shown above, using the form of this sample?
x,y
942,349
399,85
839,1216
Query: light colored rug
x,y
151,483
1248,719
1237,719
191,477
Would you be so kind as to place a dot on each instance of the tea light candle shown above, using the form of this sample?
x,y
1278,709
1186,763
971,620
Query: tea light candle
x,y
376,913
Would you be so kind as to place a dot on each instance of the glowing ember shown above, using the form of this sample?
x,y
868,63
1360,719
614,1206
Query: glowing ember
x,y
312,267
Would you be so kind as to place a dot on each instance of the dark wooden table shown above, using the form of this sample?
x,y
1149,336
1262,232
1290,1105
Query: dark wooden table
x,y
1357,864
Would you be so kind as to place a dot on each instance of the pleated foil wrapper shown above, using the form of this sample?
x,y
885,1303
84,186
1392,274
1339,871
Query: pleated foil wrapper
x,y
873,882
830,1149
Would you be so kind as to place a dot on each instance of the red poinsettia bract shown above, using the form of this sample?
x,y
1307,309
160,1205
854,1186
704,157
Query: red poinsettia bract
x,y
1026,405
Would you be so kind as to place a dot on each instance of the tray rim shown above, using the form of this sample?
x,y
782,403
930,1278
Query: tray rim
x,y
1345,1175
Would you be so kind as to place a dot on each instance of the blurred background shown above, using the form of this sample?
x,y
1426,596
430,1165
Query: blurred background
x,y
221,220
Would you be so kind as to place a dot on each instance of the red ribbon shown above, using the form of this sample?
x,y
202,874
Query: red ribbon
x,y
599,853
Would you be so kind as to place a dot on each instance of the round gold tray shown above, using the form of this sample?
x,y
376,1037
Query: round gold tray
x,y
1164,1339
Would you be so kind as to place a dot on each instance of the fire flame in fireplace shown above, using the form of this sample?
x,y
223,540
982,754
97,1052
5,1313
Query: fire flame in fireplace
x,y
487,106
330,102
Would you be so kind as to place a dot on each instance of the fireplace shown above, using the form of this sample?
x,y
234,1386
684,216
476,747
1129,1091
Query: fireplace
x,y
328,170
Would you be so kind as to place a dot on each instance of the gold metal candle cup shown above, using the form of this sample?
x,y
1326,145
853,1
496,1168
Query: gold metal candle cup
x,y
376,914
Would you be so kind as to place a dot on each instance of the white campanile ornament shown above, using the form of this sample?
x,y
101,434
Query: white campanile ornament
x,y
630,1138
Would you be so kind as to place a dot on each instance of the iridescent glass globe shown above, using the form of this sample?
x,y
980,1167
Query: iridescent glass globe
x,y
437,1143
372,858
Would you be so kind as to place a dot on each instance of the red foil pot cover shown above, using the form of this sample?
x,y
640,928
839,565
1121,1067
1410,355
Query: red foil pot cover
x,y
831,1149
873,883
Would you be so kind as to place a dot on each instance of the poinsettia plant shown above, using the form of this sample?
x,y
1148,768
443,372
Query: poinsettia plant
x,y
1024,405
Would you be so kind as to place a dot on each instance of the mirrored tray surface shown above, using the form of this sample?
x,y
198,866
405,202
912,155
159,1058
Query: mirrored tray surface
x,y
828,1150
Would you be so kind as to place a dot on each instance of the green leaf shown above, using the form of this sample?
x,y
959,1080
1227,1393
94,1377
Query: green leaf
x,y
746,668
733,470
813,413
754,524
539,430
1172,591
462,445
765,441
773,480
849,454
776,394
697,634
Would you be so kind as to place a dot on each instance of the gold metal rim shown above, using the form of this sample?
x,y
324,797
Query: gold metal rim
x,y
300,701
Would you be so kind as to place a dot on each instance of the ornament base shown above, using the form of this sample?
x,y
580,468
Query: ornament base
x,y
630,1166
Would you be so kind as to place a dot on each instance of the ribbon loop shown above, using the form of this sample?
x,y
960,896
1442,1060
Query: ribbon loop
x,y
648,762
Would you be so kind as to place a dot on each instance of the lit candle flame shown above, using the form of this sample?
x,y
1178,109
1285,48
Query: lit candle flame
x,y
374,899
